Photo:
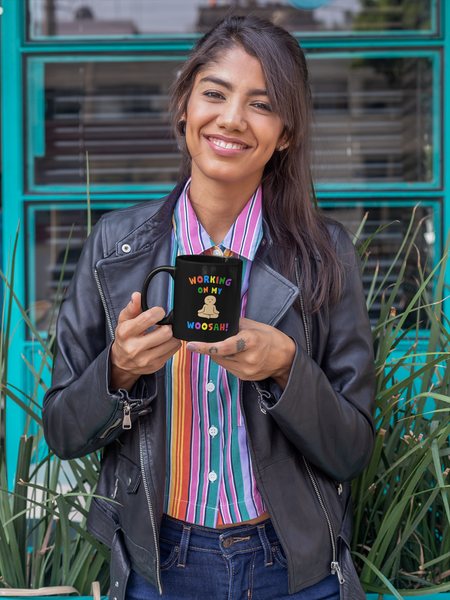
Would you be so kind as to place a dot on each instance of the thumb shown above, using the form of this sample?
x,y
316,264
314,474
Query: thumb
x,y
133,308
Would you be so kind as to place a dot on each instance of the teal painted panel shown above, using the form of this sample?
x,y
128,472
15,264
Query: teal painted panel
x,y
446,138
12,178
186,45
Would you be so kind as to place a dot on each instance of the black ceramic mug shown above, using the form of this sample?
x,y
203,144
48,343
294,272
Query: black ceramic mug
x,y
207,297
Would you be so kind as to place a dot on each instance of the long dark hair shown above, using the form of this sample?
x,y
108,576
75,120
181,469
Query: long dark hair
x,y
298,228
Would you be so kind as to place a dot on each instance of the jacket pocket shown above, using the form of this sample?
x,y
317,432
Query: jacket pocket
x,y
128,473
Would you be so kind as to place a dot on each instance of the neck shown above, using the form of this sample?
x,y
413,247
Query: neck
x,y
217,205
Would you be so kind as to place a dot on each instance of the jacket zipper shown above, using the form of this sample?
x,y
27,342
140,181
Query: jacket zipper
x,y
126,423
335,567
105,308
126,420
302,308
150,510
113,426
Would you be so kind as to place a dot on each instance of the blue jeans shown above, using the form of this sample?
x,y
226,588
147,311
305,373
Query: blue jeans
x,y
237,563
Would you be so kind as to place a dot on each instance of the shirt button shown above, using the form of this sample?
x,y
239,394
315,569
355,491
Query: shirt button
x,y
210,387
213,431
217,252
126,248
212,476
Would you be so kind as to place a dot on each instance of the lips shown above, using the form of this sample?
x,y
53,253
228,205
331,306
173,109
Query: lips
x,y
226,147
226,143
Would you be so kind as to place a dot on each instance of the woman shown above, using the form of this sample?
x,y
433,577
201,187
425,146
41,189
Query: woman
x,y
224,465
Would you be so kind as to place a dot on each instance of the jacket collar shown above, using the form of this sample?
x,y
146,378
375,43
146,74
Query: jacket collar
x,y
151,226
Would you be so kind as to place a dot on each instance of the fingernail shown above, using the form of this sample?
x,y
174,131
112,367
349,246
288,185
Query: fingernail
x,y
131,301
191,347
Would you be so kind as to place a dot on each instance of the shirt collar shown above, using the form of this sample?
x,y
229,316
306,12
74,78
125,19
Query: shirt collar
x,y
242,239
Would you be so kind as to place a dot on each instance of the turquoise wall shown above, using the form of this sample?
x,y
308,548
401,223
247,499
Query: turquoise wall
x,y
15,49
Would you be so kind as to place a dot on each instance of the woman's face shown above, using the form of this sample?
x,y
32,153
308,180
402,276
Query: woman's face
x,y
231,130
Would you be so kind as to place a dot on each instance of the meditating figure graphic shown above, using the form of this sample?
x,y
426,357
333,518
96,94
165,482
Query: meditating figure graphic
x,y
209,311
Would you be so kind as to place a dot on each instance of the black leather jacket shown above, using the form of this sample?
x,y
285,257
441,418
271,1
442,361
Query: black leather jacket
x,y
305,441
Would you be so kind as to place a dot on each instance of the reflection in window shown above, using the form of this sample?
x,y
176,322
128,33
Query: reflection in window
x,y
131,18
51,230
374,119
117,111
386,244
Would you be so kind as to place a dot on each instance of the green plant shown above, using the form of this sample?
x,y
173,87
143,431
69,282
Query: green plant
x,y
401,505
43,539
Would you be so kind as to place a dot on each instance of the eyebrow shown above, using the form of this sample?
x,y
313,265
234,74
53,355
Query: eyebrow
x,y
229,86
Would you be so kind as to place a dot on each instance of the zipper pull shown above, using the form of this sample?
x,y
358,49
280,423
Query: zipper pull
x,y
126,424
261,394
262,408
116,487
336,570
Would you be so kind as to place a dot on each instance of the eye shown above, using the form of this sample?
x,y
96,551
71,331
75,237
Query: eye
x,y
262,106
214,95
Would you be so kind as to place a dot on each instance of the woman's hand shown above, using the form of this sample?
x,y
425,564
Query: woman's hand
x,y
136,352
258,351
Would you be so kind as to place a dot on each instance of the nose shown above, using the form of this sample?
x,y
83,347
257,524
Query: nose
x,y
232,117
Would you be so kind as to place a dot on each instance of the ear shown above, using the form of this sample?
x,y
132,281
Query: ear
x,y
282,144
283,141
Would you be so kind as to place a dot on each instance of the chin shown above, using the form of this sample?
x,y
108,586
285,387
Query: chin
x,y
224,174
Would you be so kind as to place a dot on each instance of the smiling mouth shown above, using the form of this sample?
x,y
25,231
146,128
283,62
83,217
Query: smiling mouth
x,y
227,145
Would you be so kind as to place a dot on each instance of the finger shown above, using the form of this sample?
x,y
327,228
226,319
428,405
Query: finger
x,y
168,348
152,360
132,309
133,346
228,348
134,326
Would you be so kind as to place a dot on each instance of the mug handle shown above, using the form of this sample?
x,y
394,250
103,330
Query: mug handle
x,y
171,270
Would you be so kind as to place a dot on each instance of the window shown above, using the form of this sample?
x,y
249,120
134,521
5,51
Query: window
x,y
48,228
394,217
376,119
66,19
113,108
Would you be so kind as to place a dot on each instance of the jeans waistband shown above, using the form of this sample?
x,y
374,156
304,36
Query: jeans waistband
x,y
229,541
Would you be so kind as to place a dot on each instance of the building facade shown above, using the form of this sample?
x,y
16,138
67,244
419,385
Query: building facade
x,y
92,77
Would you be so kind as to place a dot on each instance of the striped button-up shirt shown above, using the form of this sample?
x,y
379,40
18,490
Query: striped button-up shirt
x,y
209,476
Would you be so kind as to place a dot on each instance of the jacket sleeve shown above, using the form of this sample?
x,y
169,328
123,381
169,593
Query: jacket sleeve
x,y
326,409
80,413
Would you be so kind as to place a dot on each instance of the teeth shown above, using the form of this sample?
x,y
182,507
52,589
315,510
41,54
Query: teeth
x,y
228,146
